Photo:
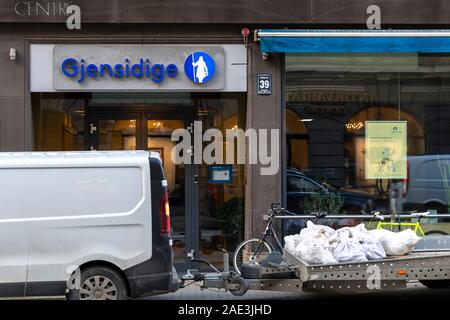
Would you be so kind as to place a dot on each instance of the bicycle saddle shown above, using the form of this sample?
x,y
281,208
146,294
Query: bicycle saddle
x,y
420,214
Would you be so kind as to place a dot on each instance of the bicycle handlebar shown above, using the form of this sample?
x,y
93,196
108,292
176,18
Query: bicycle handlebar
x,y
277,209
378,216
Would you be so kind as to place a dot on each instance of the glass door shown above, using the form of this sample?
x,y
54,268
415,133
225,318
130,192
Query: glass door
x,y
114,132
144,131
159,128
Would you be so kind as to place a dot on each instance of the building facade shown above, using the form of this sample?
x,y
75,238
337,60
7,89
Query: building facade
x,y
321,90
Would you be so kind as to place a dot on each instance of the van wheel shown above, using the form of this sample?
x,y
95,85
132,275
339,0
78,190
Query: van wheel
x,y
436,284
99,283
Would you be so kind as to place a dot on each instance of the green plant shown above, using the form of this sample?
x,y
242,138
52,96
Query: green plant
x,y
231,215
330,203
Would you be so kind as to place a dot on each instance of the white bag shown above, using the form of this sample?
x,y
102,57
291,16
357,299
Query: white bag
x,y
373,249
314,252
315,231
396,243
359,231
290,242
349,250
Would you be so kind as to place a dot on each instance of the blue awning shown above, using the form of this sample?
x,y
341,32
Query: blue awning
x,y
368,41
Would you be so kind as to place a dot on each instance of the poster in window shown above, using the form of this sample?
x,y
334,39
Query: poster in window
x,y
386,149
221,174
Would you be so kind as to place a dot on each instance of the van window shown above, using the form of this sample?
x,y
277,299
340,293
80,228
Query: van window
x,y
435,170
300,184
55,192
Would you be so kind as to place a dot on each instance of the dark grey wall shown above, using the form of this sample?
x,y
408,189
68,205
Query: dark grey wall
x,y
243,11
12,97
263,112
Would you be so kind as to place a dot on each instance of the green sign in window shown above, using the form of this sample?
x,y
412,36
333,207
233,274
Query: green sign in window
x,y
386,149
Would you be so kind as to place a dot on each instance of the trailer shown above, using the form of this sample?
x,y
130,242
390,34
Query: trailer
x,y
428,263
432,268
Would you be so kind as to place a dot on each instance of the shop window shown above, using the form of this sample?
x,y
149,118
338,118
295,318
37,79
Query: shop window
x,y
340,92
159,140
296,141
117,134
58,122
221,205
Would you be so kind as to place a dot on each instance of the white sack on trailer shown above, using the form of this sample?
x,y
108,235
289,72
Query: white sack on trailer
x,y
318,244
396,243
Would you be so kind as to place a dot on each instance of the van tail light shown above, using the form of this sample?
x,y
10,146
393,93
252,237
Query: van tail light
x,y
405,181
164,214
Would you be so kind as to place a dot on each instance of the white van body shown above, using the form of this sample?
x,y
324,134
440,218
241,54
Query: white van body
x,y
427,185
62,210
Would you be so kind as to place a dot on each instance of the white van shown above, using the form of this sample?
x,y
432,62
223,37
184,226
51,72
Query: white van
x,y
427,186
88,225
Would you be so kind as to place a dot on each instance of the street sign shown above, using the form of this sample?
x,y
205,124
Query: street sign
x,y
264,84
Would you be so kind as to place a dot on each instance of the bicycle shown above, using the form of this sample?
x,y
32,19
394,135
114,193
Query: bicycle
x,y
256,249
413,225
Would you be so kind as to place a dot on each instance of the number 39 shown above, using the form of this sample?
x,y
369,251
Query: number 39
x,y
264,84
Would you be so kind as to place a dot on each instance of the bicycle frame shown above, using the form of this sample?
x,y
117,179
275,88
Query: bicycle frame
x,y
415,225
269,231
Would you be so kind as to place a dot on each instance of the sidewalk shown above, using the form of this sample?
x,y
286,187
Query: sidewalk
x,y
194,292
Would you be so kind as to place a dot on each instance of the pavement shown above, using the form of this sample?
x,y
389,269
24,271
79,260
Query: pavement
x,y
194,292
413,290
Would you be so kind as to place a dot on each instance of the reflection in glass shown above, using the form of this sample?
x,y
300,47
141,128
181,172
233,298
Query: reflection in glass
x,y
335,94
159,140
221,205
297,141
117,134
58,123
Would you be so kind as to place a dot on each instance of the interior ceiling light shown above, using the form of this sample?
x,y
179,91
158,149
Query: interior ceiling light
x,y
353,126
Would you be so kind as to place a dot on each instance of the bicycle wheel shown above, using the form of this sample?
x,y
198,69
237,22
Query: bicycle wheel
x,y
252,250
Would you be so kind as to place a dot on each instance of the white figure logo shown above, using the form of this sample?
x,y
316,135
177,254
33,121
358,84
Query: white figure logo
x,y
202,69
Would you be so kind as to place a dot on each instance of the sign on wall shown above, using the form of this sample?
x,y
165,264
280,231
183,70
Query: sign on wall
x,y
264,83
133,67
386,149
119,67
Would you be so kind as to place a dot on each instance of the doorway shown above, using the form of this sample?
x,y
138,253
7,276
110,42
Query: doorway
x,y
206,215
150,130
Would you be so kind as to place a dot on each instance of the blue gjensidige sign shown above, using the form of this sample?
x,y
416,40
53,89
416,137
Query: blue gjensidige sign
x,y
143,67
199,67
81,70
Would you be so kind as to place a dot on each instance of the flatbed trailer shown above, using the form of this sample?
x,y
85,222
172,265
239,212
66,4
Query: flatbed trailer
x,y
430,265
430,268
392,272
